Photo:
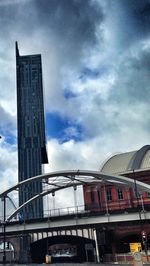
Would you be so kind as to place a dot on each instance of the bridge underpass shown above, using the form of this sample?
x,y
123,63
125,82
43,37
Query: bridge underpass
x,y
60,180
68,244
63,248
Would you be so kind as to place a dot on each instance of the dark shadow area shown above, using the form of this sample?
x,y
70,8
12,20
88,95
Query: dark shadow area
x,y
123,246
40,249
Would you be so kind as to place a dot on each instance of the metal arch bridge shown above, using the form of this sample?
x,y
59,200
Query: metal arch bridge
x,y
72,178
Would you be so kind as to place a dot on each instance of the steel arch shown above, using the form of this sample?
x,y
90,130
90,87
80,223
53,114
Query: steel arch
x,y
62,179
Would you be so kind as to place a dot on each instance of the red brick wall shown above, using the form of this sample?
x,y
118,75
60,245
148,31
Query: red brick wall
x,y
95,196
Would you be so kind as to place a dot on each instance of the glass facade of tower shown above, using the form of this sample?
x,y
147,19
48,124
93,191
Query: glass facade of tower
x,y
31,130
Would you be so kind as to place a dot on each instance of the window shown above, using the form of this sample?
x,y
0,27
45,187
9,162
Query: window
x,y
120,194
109,194
92,196
99,198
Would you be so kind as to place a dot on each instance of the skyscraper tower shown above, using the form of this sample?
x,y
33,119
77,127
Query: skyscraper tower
x,y
31,130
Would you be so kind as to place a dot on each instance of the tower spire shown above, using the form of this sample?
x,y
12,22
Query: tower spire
x,y
17,49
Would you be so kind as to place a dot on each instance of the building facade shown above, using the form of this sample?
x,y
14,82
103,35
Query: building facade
x,y
31,130
108,199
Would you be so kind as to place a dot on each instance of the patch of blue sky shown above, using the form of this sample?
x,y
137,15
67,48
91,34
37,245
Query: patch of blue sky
x,y
62,128
89,73
92,73
68,94
9,138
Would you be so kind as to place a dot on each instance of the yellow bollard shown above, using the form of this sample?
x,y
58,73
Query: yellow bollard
x,y
48,259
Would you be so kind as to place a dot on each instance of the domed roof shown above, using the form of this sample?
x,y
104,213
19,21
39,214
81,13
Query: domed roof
x,y
129,161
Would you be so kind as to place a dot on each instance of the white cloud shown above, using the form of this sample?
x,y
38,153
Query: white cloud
x,y
8,164
111,108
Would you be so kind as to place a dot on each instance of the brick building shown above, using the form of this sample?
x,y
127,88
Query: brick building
x,y
108,198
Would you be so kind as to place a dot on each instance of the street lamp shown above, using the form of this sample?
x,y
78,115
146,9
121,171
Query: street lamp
x,y
144,240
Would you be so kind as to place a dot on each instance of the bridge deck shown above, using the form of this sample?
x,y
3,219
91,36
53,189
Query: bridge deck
x,y
86,220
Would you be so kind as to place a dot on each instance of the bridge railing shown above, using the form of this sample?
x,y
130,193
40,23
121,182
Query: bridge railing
x,y
65,211
112,207
101,209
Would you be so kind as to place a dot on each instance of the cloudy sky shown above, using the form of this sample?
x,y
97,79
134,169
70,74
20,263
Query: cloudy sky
x,y
96,76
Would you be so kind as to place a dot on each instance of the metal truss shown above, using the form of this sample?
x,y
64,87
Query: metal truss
x,y
58,180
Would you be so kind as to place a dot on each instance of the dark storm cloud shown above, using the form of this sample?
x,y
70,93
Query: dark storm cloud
x,y
130,20
139,13
71,19
130,28
71,25
125,106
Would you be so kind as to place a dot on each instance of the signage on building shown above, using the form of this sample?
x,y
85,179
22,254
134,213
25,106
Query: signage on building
x,y
134,247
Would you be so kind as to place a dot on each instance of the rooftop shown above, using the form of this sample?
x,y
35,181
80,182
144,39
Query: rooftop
x,y
129,161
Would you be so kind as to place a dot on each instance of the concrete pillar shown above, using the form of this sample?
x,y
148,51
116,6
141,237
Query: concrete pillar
x,y
96,247
24,249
